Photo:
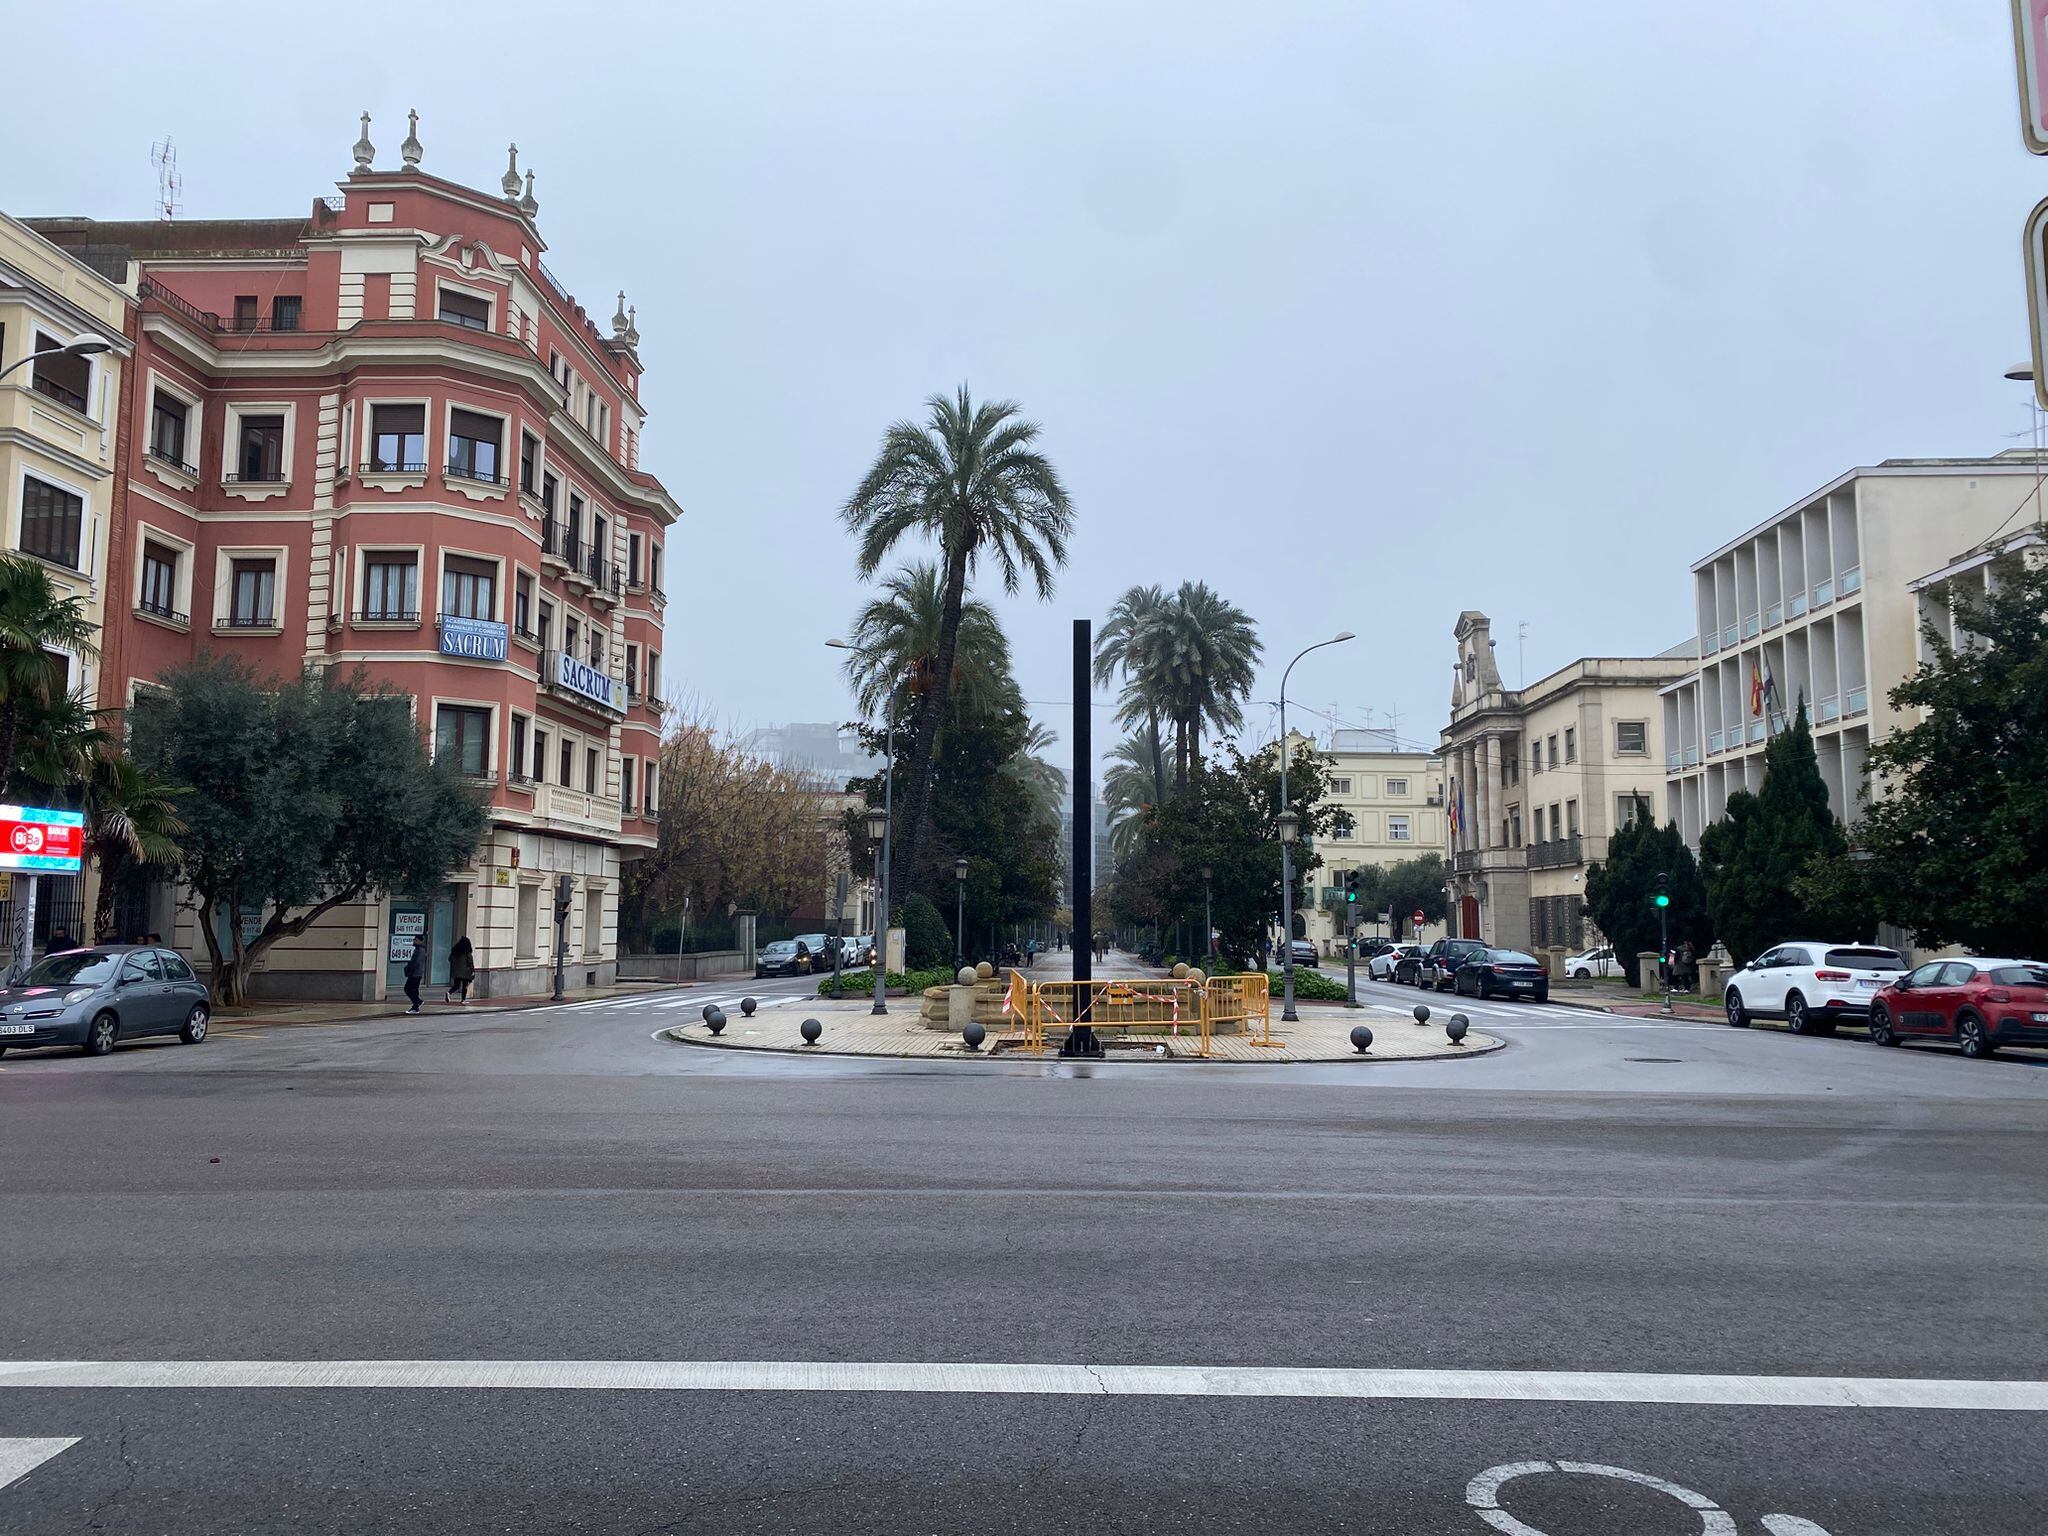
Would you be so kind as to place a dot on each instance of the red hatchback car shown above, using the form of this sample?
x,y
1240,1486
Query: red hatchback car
x,y
1978,1004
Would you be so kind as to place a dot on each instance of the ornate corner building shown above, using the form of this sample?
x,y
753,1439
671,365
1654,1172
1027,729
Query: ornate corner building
x,y
385,436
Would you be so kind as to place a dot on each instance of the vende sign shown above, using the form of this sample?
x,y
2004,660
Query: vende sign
x,y
48,842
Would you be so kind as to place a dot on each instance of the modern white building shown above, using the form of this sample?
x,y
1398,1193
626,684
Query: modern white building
x,y
1821,605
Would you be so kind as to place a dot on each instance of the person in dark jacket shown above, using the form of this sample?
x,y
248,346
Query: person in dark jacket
x,y
415,973
461,969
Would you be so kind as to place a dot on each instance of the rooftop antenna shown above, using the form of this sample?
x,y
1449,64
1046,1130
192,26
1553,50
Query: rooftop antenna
x,y
1521,638
169,184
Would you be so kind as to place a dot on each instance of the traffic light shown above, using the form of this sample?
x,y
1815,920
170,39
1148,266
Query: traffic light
x,y
1663,896
1351,886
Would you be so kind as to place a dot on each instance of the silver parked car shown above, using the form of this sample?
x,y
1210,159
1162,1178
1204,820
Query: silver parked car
x,y
92,998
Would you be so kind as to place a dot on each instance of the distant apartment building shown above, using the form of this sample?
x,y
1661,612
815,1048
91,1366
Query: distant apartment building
x,y
1538,778
383,435
1396,799
1821,607
62,452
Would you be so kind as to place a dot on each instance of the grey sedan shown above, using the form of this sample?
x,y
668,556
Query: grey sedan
x,y
91,998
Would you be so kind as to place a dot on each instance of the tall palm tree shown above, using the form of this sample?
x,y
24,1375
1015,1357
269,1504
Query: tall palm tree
x,y
1192,661
1046,780
131,817
1119,648
1128,789
896,646
971,478
35,618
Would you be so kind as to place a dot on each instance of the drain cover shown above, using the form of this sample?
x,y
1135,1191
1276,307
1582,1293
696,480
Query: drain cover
x,y
1672,1060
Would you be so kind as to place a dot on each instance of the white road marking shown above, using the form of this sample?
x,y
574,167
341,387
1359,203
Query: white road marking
x,y
20,1457
1041,1380
1483,1494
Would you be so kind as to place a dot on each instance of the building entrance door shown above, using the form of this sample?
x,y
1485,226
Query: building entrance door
x,y
433,920
1468,917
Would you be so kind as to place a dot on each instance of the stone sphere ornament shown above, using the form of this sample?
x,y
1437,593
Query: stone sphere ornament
x,y
715,1018
967,976
747,1006
1422,1013
973,1034
1456,1028
1180,970
709,1009
984,971
1361,1037
810,1029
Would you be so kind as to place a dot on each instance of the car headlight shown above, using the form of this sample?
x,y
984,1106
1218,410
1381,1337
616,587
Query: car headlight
x,y
78,994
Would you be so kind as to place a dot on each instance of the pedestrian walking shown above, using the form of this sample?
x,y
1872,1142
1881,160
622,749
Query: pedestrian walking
x,y
415,972
461,969
60,940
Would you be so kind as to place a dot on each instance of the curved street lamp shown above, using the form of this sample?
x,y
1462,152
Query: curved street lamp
x,y
85,346
878,830
1289,829
959,913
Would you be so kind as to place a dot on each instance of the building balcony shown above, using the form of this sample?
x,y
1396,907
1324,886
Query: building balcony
x,y
1673,761
171,460
559,552
575,810
1559,853
1856,701
1829,708
385,618
163,613
1852,580
1465,860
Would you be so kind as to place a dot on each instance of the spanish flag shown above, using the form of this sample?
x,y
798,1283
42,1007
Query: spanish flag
x,y
1756,689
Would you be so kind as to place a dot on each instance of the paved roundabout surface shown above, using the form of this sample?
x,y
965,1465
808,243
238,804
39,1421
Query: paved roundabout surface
x,y
543,1271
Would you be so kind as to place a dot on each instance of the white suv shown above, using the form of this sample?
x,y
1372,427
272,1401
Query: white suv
x,y
1381,966
1594,962
1811,986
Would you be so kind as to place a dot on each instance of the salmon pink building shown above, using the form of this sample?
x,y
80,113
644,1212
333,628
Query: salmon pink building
x,y
383,435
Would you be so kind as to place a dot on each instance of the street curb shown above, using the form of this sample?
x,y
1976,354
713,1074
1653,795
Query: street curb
x,y
1461,1053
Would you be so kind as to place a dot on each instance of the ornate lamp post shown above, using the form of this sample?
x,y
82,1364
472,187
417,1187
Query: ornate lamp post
x,y
1290,826
878,830
1208,915
959,913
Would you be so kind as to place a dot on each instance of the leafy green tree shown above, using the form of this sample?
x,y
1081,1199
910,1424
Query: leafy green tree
x,y
927,941
1957,831
131,819
298,796
895,642
1752,858
972,479
36,618
1621,891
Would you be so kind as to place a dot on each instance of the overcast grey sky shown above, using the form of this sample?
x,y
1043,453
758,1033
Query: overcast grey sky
x,y
1363,313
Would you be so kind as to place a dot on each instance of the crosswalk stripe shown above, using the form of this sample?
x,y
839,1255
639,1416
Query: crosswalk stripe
x,y
20,1457
1036,1379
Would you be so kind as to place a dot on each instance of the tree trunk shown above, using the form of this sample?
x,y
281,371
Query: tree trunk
x,y
111,865
917,791
10,728
1158,759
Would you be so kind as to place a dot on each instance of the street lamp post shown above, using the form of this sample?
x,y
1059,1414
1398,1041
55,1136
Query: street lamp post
x,y
1289,826
882,858
959,913
1208,916
85,346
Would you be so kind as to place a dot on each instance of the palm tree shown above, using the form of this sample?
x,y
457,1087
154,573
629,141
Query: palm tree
x,y
131,817
971,478
1119,648
35,618
1128,789
1191,660
1046,781
896,645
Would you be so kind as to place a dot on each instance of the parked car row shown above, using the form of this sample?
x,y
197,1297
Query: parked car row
x,y
95,997
809,952
1976,1003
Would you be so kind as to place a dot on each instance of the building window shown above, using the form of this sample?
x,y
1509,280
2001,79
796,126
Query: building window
x,y
398,439
632,559
465,309
245,311
1397,789
167,417
52,522
518,753
593,923
462,739
522,606
529,463
473,443
573,547
540,755
597,647
391,586
1342,835
545,632
1571,744
1553,751
1514,826
632,669
547,493
1340,786
254,593
590,770
1398,830
259,453
469,588
572,633
529,922
159,580
626,786
568,763
653,674
284,312
1571,818
1629,809
1631,738
63,377
654,566
648,779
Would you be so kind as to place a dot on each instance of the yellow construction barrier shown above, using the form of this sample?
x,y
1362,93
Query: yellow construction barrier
x,y
1172,1005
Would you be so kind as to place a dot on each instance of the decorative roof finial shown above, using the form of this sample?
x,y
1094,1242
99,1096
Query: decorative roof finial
x,y
365,151
619,318
510,180
411,148
633,326
527,204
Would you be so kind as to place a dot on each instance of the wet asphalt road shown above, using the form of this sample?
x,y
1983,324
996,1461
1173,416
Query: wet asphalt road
x,y
1604,1196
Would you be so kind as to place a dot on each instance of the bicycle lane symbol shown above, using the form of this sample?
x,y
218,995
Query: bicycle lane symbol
x,y
1483,1494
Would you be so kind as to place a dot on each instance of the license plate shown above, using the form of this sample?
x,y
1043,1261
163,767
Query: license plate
x,y
27,1029
2041,1018
1869,986
1525,985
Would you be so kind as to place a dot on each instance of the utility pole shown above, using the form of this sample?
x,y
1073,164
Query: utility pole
x,y
1663,900
564,889
1081,1039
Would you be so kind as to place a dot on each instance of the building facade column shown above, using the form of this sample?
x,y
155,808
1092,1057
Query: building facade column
x,y
1493,794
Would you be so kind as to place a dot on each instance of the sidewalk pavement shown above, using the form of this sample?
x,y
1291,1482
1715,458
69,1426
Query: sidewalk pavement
x,y
262,1013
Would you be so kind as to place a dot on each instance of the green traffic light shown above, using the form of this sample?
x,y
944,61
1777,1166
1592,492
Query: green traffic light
x,y
1663,901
